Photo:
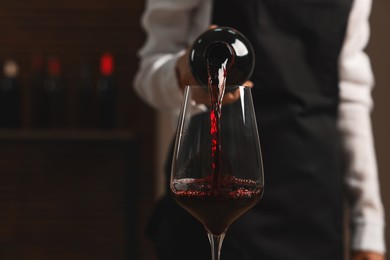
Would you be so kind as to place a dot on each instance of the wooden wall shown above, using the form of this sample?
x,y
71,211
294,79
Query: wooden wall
x,y
77,31
57,203
379,52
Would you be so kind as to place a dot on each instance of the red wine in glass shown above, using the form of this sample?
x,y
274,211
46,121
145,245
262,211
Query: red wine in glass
x,y
216,209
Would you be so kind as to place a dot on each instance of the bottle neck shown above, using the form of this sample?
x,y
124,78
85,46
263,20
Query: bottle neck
x,y
219,53
106,65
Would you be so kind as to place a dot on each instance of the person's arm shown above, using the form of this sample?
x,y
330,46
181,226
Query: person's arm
x,y
170,26
356,81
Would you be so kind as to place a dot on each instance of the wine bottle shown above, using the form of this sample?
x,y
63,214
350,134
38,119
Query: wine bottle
x,y
10,96
219,45
85,95
53,99
37,79
106,91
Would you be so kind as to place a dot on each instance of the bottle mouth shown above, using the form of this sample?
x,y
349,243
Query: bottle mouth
x,y
217,53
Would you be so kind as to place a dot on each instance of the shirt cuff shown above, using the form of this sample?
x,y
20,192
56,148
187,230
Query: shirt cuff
x,y
171,95
368,237
156,83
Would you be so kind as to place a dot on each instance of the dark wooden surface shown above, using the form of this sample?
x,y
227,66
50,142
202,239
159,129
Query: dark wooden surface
x,y
67,197
67,202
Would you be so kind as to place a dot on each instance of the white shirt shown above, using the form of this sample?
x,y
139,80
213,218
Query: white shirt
x,y
173,25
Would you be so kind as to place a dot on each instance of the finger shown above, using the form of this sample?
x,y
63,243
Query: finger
x,y
248,83
230,97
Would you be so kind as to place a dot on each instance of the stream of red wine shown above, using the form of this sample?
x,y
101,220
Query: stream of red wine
x,y
216,84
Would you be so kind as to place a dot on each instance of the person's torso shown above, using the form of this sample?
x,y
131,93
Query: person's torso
x,y
297,45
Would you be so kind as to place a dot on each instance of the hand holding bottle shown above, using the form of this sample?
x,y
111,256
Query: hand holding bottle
x,y
214,47
183,71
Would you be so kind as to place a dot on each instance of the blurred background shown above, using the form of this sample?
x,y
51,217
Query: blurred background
x,y
80,154
76,144
379,52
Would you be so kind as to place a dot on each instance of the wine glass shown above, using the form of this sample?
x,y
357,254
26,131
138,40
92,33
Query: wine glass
x,y
217,170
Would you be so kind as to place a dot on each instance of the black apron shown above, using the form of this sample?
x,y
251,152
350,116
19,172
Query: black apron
x,y
297,45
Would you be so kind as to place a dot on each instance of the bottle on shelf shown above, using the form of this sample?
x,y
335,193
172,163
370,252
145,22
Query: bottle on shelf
x,y
53,96
106,93
10,95
85,96
218,45
36,91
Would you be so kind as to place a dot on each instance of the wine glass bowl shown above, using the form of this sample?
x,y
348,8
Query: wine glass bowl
x,y
217,169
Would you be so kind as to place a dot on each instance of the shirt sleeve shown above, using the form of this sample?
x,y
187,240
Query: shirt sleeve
x,y
356,82
170,27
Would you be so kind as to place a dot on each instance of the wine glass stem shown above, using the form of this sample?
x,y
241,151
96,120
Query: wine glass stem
x,y
216,244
